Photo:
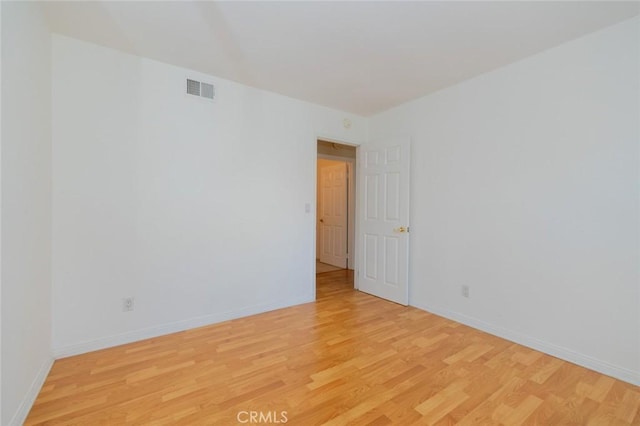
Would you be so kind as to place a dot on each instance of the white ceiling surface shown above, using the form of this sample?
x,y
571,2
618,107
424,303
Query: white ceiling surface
x,y
362,57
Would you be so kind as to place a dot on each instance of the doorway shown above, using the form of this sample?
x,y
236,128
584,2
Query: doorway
x,y
381,215
335,203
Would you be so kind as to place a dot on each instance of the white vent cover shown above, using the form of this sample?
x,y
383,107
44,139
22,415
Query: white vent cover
x,y
197,88
193,87
207,90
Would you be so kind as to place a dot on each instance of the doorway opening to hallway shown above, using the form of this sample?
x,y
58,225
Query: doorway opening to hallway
x,y
335,215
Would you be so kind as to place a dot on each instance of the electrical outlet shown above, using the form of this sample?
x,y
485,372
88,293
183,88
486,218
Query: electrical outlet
x,y
127,304
465,291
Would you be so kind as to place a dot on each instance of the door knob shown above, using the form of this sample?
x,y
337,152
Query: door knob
x,y
402,229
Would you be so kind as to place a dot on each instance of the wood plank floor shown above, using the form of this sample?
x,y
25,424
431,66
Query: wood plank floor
x,y
349,358
325,267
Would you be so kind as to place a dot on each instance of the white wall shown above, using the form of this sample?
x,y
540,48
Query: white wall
x,y
194,208
26,207
525,188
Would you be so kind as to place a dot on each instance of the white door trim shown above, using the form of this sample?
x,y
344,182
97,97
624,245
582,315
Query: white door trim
x,y
353,184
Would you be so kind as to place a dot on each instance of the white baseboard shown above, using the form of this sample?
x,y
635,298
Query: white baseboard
x,y
174,327
27,402
569,355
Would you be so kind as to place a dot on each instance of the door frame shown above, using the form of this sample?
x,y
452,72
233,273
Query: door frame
x,y
358,207
355,181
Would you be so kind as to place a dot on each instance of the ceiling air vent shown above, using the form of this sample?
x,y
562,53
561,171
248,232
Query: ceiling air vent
x,y
197,88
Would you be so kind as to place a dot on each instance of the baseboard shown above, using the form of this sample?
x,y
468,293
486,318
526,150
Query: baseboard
x,y
27,402
565,354
174,327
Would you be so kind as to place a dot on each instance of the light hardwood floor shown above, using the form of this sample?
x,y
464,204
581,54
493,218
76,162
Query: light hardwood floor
x,y
349,358
324,267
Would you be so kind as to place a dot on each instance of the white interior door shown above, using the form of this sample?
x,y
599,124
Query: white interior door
x,y
383,234
333,215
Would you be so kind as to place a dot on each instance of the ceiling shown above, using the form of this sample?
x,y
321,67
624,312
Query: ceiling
x,y
362,57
